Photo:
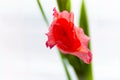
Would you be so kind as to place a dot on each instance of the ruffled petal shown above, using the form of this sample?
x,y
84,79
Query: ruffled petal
x,y
55,14
82,37
84,55
51,41
68,16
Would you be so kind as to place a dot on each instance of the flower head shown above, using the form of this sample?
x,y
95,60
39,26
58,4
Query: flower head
x,y
68,38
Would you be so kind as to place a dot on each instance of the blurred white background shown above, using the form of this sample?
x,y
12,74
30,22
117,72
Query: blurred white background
x,y
24,56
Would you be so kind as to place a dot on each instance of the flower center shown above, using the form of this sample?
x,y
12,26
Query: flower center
x,y
65,35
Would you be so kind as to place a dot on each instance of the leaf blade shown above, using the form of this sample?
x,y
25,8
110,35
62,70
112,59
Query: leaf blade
x,y
64,5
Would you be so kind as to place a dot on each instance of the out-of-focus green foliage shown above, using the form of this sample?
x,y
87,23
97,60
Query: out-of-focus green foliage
x,y
64,5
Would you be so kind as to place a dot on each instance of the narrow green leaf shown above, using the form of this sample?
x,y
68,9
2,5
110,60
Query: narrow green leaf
x,y
83,22
63,59
42,11
64,5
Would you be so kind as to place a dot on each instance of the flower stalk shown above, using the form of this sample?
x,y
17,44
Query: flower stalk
x,y
42,11
65,65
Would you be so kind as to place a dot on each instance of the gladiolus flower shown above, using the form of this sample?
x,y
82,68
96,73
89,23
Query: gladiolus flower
x,y
68,38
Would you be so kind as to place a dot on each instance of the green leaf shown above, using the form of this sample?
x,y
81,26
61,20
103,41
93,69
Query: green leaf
x,y
64,5
83,22
42,11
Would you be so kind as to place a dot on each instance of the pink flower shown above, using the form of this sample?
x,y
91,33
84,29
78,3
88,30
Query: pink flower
x,y
68,38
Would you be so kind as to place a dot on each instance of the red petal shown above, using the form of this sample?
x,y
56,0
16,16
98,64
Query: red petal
x,y
68,16
55,14
62,34
82,37
51,41
86,57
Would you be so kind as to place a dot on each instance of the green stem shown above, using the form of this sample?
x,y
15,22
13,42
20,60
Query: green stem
x,y
41,9
82,70
65,65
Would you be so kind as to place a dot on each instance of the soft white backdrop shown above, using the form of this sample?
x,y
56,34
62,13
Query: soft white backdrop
x,y
24,56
